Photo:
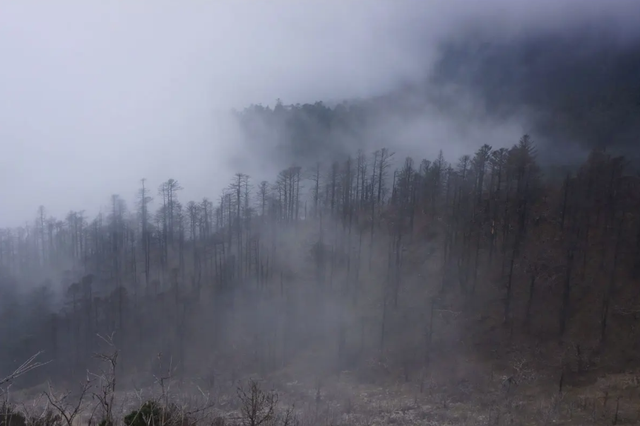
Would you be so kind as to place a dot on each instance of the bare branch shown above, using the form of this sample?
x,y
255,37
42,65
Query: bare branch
x,y
27,366
67,411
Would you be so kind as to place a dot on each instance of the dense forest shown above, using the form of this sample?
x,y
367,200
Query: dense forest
x,y
354,265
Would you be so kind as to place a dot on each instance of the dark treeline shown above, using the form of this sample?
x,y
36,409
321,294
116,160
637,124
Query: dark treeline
x,y
369,258
297,133
303,133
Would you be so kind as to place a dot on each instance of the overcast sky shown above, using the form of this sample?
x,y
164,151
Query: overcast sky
x,y
95,95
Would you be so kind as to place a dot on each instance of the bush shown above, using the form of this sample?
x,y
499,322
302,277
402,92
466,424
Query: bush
x,y
152,413
10,417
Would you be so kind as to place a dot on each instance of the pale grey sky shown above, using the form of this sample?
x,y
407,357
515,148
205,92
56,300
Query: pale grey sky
x,y
95,95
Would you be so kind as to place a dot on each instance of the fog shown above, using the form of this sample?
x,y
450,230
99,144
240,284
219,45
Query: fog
x,y
94,97
350,267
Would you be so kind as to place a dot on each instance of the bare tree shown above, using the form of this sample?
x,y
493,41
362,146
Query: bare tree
x,y
258,407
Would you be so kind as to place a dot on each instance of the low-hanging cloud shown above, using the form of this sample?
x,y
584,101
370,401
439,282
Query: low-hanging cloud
x,y
95,96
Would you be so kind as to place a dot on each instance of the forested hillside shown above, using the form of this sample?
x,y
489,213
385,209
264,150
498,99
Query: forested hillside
x,y
572,91
415,272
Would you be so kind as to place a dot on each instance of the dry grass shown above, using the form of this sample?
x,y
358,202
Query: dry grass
x,y
479,397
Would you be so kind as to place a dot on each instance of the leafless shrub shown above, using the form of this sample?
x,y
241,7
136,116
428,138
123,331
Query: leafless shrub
x,y
38,414
63,405
163,379
259,407
195,410
166,409
105,394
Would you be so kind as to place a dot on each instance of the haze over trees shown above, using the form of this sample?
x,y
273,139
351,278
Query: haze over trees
x,y
365,259
460,245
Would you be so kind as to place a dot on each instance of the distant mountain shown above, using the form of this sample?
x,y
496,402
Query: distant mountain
x,y
570,92
582,87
